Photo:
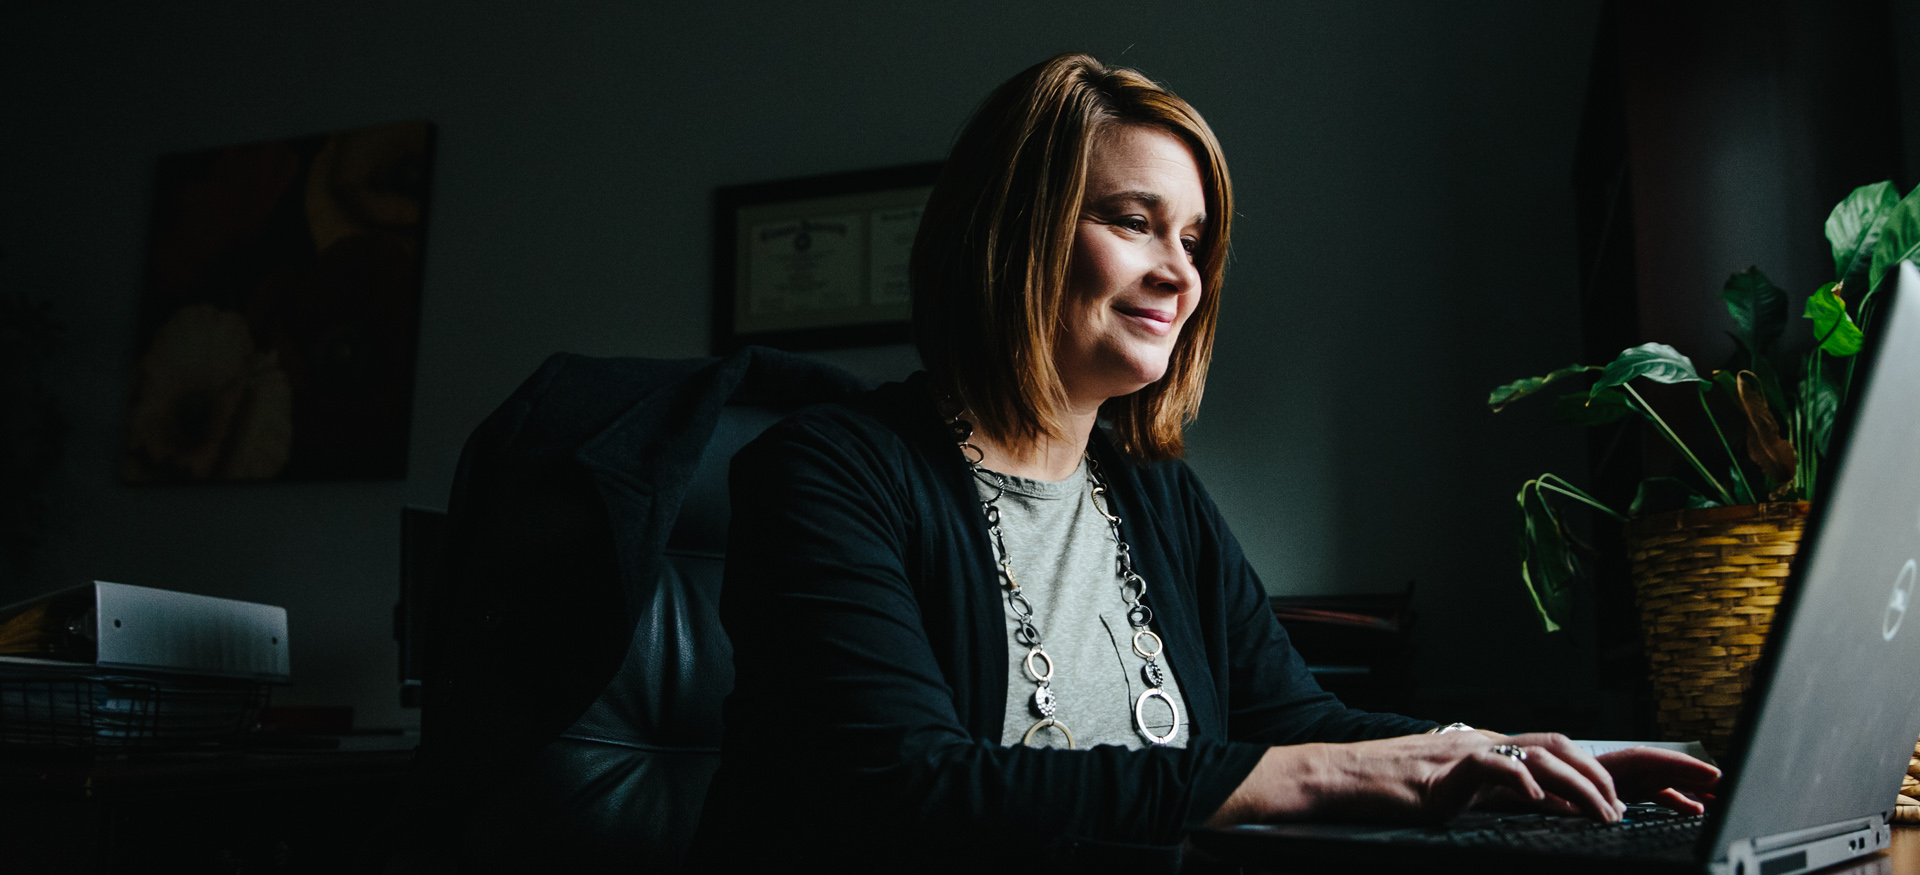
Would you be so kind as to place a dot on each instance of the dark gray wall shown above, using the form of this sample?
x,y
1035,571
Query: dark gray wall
x,y
1405,242
1747,122
1906,36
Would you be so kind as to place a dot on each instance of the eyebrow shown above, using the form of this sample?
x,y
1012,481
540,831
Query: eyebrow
x,y
1146,199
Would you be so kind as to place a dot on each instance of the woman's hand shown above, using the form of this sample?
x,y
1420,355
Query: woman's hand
x,y
1671,778
1434,777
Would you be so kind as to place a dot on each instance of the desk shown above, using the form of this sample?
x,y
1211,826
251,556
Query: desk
x,y
195,811
1903,858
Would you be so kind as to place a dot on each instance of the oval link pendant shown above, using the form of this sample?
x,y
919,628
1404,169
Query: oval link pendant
x,y
1140,717
1047,723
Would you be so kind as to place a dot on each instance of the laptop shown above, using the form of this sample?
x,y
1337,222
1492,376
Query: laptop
x,y
1828,726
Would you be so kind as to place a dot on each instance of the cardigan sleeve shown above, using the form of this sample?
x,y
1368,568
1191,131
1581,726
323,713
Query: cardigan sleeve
x,y
842,708
1271,697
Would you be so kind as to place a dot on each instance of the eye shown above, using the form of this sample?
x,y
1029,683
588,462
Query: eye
x,y
1191,244
1136,224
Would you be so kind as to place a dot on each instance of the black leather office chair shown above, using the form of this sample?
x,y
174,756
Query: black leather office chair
x,y
625,782
571,716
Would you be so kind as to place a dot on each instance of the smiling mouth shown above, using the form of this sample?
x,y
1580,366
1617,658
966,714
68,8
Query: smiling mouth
x,y
1164,317
1156,321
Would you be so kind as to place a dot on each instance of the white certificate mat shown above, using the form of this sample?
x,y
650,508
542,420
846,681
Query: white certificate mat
x,y
825,261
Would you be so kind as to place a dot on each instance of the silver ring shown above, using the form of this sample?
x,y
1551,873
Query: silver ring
x,y
1140,716
1512,751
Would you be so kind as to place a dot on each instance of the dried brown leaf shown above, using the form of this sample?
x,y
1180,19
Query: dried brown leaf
x,y
1765,446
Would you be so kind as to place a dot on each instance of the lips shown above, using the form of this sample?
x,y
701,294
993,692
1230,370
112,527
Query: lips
x,y
1164,317
1156,322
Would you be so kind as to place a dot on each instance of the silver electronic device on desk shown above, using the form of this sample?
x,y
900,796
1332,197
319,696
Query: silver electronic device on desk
x,y
1830,722
118,626
113,667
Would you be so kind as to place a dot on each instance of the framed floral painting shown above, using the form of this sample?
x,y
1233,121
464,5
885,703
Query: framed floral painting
x,y
281,310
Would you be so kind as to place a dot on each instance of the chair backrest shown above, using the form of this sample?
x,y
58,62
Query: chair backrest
x,y
623,786
575,664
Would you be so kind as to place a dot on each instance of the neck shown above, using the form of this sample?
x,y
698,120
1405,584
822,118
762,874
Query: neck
x,y
1045,458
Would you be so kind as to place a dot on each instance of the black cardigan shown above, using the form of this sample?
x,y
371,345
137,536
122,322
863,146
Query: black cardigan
x,y
870,655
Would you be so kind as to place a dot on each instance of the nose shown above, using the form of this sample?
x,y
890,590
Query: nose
x,y
1173,270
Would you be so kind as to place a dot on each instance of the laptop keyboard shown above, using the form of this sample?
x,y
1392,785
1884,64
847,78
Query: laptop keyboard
x,y
1645,831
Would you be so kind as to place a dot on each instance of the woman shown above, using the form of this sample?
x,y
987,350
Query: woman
x,y
972,627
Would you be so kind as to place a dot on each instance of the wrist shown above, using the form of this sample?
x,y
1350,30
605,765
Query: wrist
x,y
1286,784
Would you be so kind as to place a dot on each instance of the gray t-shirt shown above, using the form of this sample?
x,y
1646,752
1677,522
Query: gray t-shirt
x,y
1064,558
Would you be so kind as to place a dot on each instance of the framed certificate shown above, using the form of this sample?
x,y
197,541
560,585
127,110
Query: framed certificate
x,y
817,263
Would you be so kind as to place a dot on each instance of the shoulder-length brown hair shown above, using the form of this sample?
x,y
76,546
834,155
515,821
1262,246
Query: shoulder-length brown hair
x,y
990,263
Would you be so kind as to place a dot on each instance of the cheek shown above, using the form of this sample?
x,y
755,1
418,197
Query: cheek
x,y
1086,293
1079,268
1096,263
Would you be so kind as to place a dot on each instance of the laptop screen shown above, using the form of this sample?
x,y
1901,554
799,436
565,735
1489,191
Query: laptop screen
x,y
1835,718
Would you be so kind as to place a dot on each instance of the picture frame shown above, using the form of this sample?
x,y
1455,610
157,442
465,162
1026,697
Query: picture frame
x,y
279,318
818,262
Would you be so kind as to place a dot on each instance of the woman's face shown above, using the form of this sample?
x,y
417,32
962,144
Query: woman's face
x,y
1132,282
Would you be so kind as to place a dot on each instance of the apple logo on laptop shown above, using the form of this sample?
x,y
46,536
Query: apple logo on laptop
x,y
1897,605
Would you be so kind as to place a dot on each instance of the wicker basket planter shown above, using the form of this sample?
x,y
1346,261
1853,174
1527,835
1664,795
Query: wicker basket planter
x,y
1707,582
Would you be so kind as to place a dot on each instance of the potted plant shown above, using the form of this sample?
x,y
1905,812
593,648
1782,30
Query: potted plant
x,y
1710,550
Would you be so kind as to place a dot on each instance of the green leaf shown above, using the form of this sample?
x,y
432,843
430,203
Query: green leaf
x,y
1823,401
1742,493
1770,383
1579,408
1655,361
1855,224
1523,547
1518,389
1546,564
1662,494
1899,240
1832,326
1758,307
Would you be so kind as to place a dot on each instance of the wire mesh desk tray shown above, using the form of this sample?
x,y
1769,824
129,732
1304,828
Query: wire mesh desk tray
x,y
84,707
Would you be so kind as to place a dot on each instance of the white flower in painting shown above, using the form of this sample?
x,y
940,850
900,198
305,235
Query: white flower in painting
x,y
207,403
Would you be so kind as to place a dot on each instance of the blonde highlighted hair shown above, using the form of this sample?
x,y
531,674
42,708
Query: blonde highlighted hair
x,y
990,263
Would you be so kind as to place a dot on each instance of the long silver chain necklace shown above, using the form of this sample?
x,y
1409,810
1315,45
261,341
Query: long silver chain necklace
x,y
1133,588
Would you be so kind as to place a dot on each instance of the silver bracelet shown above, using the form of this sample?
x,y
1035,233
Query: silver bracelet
x,y
1451,727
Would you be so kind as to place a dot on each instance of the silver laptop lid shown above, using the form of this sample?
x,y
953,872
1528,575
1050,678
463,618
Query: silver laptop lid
x,y
1836,719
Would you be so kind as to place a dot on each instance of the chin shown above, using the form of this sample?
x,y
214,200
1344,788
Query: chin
x,y
1139,374
1114,370
1152,364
